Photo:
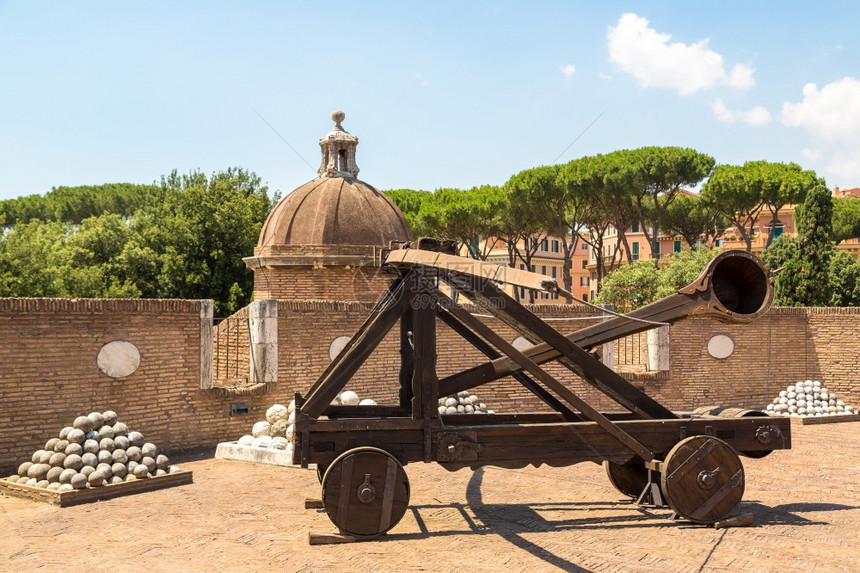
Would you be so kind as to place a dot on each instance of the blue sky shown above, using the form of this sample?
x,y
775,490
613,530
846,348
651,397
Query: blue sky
x,y
440,94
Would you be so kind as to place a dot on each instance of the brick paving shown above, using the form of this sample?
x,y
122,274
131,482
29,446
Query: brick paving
x,y
239,516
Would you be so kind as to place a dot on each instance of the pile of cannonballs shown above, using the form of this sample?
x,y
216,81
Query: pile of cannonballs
x,y
277,431
463,403
808,399
95,450
272,432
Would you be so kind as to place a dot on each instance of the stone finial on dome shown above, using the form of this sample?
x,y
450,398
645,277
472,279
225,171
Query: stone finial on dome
x,y
338,151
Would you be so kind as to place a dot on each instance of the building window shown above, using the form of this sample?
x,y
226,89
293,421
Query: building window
x,y
555,246
592,295
533,268
522,267
677,246
584,263
554,273
585,297
719,242
583,281
657,249
635,227
777,231
635,250
534,244
584,246
544,245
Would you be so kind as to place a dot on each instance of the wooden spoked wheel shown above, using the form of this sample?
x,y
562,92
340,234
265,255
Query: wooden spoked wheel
x,y
365,491
702,479
630,478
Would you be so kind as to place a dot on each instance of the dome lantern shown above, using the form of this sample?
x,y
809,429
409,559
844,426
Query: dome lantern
x,y
338,151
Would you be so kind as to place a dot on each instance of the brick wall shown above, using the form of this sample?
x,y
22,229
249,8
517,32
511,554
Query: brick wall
x,y
307,329
782,347
320,283
49,374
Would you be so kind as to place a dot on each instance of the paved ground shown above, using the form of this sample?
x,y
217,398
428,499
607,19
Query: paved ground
x,y
239,516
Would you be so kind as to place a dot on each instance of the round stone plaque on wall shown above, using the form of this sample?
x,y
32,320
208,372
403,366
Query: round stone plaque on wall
x,y
118,358
521,343
721,346
336,346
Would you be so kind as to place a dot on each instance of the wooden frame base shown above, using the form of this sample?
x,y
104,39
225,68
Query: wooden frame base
x,y
87,495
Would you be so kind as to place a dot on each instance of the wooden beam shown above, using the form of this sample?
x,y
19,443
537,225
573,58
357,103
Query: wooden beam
x,y
395,287
521,377
509,311
493,338
361,345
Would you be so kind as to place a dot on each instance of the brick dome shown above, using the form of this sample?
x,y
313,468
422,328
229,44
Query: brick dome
x,y
337,208
326,240
334,211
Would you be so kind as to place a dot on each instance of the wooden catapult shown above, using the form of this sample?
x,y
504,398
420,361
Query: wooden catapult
x,y
688,461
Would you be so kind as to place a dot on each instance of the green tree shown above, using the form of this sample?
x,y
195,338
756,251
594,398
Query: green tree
x,y
657,175
586,178
805,280
781,184
694,220
28,259
846,219
631,286
844,280
194,233
731,191
409,202
559,204
74,204
469,216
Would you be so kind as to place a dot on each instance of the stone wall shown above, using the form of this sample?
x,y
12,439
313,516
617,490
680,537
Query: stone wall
x,y
49,374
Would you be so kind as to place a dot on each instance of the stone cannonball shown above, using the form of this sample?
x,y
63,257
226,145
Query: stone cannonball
x,y
97,420
83,423
79,481
109,417
74,462
120,429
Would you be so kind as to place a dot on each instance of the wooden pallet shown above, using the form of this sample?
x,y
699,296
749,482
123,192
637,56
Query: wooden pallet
x,y
78,496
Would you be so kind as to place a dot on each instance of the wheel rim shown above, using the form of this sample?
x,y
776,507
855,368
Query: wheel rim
x,y
365,491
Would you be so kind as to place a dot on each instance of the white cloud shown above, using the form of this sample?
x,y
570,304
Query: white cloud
x,y
603,76
648,56
422,81
831,116
757,116
567,70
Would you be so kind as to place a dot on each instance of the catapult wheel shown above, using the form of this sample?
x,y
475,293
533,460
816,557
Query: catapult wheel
x,y
702,479
365,491
630,478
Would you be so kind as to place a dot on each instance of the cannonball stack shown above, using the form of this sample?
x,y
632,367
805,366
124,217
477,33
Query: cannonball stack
x,y
808,399
95,450
463,403
277,431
